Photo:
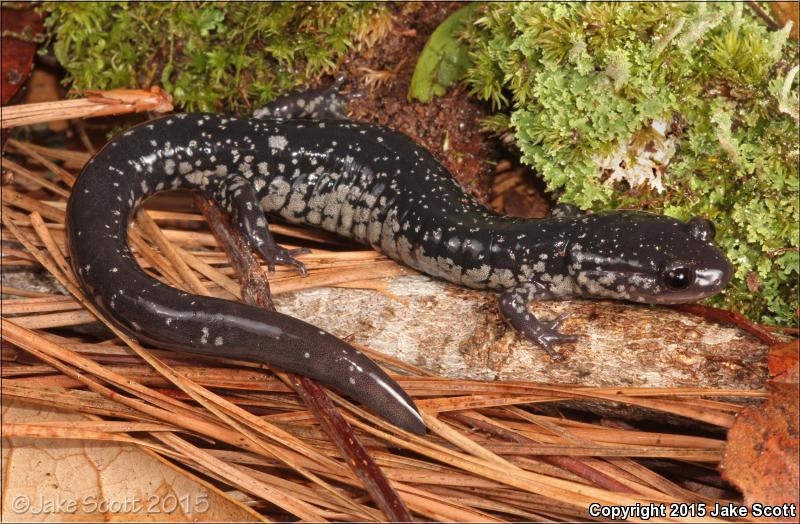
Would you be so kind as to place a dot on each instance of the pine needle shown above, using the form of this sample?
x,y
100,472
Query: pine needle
x,y
492,453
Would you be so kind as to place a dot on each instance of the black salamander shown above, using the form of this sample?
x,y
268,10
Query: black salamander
x,y
377,187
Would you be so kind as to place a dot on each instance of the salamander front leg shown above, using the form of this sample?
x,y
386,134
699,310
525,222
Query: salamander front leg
x,y
239,197
514,307
566,210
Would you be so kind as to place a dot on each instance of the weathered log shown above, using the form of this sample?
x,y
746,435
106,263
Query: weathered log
x,y
458,333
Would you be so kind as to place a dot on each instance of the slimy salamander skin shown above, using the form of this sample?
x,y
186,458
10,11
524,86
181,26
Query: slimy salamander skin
x,y
377,187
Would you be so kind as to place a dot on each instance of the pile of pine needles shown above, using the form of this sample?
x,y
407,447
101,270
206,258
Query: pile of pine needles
x,y
495,451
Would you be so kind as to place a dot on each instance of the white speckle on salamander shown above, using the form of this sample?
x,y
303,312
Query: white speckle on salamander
x,y
114,270
204,338
218,341
278,142
195,178
306,355
480,274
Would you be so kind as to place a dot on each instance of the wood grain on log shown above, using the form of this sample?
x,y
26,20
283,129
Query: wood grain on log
x,y
458,333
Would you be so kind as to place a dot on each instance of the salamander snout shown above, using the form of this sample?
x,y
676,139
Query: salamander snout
x,y
714,279
688,280
690,270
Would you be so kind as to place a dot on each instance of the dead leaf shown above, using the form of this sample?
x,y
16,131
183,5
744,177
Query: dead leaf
x,y
785,11
752,281
763,446
783,362
60,480
21,28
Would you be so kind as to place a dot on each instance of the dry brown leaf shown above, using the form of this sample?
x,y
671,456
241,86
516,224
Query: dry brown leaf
x,y
21,28
763,450
58,480
784,365
785,12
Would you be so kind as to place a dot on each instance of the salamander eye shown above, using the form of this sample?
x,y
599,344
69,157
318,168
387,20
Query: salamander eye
x,y
677,277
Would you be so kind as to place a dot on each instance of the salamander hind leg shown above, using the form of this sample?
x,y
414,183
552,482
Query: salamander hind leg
x,y
514,307
317,104
239,198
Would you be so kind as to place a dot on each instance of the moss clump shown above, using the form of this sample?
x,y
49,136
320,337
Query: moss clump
x,y
685,108
208,55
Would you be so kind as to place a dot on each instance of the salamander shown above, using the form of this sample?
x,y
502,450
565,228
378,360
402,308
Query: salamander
x,y
377,187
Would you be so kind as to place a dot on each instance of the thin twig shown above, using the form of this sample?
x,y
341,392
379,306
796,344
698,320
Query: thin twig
x,y
96,103
570,464
728,317
255,291
771,23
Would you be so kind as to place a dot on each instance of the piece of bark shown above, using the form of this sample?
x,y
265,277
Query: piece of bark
x,y
457,332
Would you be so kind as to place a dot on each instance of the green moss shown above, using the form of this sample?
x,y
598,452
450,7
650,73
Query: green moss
x,y
684,108
208,55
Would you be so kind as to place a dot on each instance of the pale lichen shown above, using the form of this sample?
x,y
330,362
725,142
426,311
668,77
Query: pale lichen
x,y
640,164
584,89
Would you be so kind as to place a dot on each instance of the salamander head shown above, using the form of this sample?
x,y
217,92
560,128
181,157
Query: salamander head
x,y
648,258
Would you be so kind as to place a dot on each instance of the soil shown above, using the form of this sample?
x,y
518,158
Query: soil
x,y
449,126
